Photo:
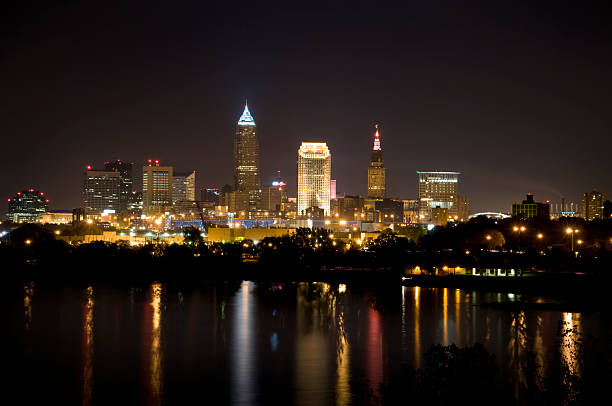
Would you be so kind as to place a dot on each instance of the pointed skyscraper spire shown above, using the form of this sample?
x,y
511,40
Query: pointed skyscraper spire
x,y
246,118
376,139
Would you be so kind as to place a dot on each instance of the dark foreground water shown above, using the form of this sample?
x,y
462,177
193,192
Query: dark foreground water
x,y
248,343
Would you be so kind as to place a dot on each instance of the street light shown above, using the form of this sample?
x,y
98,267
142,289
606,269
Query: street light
x,y
572,231
519,230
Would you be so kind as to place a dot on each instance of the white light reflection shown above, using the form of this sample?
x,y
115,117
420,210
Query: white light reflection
x,y
243,353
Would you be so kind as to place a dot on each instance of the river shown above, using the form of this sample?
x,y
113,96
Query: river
x,y
247,343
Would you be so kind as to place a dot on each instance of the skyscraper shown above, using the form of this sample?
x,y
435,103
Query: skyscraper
x,y
314,174
593,205
27,206
156,187
183,186
101,191
376,171
125,173
246,158
436,189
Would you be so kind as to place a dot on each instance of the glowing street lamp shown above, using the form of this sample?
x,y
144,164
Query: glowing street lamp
x,y
572,231
519,230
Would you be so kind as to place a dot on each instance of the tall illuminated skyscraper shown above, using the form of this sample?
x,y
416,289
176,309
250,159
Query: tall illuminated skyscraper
x,y
376,171
436,190
125,173
593,205
183,186
314,174
101,191
156,187
246,158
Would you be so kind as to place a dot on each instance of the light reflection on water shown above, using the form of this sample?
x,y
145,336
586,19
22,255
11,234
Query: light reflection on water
x,y
28,295
319,337
155,356
87,348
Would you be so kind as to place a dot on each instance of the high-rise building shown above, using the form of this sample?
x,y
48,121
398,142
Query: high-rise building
x,y
101,191
436,189
530,209
376,171
183,186
27,206
156,187
593,205
125,173
246,158
314,174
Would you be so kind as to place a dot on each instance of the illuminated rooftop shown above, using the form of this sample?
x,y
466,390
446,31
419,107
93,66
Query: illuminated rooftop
x,y
246,118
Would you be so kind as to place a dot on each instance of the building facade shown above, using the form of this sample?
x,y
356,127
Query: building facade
x,y
376,171
27,206
436,190
246,158
126,187
314,175
156,187
101,191
593,205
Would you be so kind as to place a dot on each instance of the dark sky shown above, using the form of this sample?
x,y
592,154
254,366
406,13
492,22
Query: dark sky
x,y
518,98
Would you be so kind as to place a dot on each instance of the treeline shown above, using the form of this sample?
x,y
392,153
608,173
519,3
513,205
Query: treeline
x,y
480,242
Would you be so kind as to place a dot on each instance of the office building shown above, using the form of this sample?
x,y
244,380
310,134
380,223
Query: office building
x,y
126,186
183,186
156,187
27,206
593,205
376,170
314,175
436,190
102,191
246,158
530,209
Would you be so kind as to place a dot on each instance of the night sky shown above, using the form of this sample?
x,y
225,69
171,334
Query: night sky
x,y
517,98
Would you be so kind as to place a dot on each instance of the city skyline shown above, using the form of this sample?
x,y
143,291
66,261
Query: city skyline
x,y
504,97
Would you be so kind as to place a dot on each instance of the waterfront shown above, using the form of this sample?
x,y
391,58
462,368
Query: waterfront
x,y
248,343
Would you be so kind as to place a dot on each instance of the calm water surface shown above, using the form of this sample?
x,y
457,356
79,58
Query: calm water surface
x,y
247,343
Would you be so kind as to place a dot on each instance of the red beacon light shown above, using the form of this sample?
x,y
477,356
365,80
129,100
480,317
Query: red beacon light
x,y
31,190
46,200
